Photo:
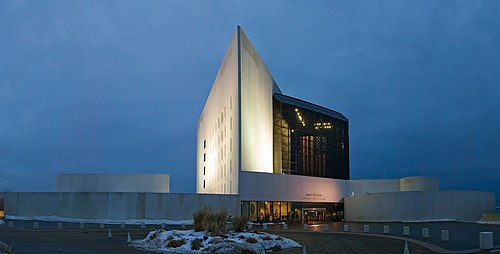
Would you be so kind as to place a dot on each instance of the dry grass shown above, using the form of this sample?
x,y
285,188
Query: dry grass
x,y
215,241
196,244
267,238
212,222
251,240
199,218
240,223
176,243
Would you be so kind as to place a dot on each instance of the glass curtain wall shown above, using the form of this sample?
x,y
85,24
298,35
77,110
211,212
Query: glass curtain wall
x,y
307,142
276,211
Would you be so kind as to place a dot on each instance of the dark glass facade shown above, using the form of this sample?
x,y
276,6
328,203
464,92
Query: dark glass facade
x,y
309,140
274,211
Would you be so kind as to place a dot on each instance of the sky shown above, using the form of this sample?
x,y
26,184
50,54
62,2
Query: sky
x,y
118,86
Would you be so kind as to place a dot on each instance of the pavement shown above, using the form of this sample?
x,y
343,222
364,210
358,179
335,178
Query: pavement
x,y
464,237
78,242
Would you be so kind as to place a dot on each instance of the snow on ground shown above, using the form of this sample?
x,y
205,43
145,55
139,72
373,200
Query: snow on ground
x,y
55,218
184,241
434,220
489,222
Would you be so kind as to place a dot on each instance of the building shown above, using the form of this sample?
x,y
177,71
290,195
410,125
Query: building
x,y
262,154
286,158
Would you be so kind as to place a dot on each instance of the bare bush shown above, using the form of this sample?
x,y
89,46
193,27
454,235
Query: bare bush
x,y
176,243
199,218
196,244
220,221
251,240
267,238
240,223
212,222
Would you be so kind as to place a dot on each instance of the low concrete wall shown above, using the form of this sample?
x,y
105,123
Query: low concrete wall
x,y
417,183
113,205
362,187
113,183
419,205
255,186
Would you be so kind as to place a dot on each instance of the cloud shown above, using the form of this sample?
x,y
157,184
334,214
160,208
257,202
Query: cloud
x,y
119,86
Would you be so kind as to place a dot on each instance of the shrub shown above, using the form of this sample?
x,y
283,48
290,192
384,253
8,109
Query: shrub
x,y
240,223
251,240
199,218
215,241
176,243
276,248
220,221
196,244
212,222
267,238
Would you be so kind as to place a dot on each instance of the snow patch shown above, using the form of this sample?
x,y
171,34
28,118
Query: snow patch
x,y
434,220
163,241
489,222
55,218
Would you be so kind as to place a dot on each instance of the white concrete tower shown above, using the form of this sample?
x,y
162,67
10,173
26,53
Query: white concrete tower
x,y
235,129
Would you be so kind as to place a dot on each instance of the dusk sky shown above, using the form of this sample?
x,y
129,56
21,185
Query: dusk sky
x,y
118,86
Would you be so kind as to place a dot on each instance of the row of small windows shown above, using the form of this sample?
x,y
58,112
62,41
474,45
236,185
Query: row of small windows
x,y
222,153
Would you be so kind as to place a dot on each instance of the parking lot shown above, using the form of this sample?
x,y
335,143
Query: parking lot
x,y
52,237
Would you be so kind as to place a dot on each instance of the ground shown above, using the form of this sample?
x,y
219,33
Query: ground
x,y
71,239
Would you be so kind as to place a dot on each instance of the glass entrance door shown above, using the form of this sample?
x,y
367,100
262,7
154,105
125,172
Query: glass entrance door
x,y
313,215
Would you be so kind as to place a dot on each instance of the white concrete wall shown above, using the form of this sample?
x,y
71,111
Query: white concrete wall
x,y
276,187
416,183
413,183
113,183
108,205
273,187
257,87
419,205
362,187
218,126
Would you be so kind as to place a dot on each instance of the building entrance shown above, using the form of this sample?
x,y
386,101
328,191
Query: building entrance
x,y
313,215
